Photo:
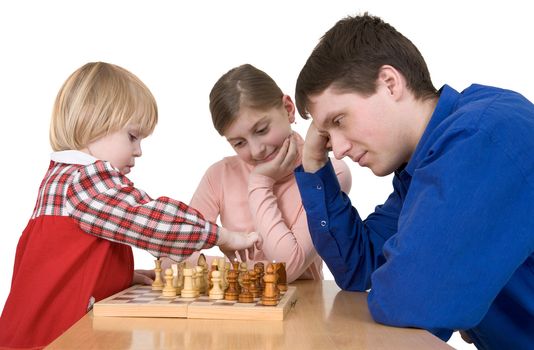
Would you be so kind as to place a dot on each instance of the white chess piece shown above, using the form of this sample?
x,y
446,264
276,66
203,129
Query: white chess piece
x,y
188,291
216,292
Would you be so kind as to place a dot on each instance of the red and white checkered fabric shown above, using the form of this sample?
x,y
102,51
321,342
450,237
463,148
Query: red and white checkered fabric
x,y
106,204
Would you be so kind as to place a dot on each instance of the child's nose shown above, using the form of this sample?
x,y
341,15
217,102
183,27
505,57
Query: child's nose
x,y
257,150
138,152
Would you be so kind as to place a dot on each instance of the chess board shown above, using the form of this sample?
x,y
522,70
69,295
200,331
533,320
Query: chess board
x,y
142,301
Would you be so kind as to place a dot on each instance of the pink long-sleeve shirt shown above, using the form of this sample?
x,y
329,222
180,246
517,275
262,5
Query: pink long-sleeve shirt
x,y
250,202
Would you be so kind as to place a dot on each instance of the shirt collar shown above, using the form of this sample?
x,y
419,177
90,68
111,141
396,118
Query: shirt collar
x,y
72,157
447,100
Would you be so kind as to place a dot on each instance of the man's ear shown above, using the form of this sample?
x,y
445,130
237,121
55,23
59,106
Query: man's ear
x,y
390,78
289,106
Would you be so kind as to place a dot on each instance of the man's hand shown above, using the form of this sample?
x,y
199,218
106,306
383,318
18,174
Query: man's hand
x,y
315,152
231,242
283,163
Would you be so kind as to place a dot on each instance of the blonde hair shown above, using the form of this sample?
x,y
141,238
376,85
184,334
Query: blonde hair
x,y
97,99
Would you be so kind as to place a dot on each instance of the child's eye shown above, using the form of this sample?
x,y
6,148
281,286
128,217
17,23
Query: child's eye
x,y
337,120
238,144
132,137
262,131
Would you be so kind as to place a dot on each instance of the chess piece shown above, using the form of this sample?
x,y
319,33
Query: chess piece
x,y
232,292
158,283
270,291
204,274
259,267
235,264
221,262
188,290
214,267
216,292
246,296
178,274
168,291
282,277
253,284
242,270
200,286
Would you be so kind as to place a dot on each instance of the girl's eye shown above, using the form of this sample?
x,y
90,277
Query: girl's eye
x,y
337,120
262,131
132,137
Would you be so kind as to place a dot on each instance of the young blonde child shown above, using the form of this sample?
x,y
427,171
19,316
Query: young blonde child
x,y
75,249
255,190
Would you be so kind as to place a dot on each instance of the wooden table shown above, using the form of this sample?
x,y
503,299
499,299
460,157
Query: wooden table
x,y
324,317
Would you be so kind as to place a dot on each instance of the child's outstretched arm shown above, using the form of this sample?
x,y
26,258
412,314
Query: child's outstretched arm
x,y
106,204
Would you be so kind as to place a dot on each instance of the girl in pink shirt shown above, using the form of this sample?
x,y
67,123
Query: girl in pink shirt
x,y
255,190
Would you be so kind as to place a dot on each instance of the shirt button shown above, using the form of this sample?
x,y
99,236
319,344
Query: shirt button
x,y
323,223
319,187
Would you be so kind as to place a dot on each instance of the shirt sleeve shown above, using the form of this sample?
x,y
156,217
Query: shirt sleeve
x,y
205,199
351,247
282,241
106,204
465,229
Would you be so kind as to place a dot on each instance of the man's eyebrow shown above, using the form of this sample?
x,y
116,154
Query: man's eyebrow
x,y
327,121
262,119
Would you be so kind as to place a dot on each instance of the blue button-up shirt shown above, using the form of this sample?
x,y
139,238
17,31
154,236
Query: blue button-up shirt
x,y
453,245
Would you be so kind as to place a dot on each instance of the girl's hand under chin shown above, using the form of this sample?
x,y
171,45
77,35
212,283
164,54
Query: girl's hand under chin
x,y
284,162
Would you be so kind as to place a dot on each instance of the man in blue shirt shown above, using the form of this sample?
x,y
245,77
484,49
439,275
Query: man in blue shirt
x,y
452,247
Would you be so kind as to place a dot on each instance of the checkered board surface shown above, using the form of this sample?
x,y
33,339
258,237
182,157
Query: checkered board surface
x,y
142,301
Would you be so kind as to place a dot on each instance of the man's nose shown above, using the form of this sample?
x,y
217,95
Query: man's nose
x,y
340,146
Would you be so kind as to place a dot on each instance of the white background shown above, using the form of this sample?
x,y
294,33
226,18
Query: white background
x,y
179,49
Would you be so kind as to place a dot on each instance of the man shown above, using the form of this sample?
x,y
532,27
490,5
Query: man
x,y
452,247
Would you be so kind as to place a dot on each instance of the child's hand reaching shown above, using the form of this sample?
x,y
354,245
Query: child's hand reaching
x,y
283,163
143,277
231,242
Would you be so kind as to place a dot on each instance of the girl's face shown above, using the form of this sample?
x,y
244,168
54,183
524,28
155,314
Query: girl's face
x,y
120,148
257,135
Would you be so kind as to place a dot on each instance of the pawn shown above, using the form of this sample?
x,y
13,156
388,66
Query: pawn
x,y
231,292
216,292
259,267
168,291
158,283
246,296
270,291
253,285
214,267
282,277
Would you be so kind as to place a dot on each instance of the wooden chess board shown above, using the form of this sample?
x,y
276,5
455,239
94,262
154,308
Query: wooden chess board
x,y
142,301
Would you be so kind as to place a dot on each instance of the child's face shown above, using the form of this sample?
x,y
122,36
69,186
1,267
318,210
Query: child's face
x,y
368,130
120,148
256,135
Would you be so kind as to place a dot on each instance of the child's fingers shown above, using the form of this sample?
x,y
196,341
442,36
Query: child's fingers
x,y
251,253
242,255
279,159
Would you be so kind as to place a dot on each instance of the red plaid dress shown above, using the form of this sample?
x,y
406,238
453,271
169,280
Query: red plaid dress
x,y
76,247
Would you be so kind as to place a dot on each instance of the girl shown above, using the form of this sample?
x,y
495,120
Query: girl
x,y
256,190
75,249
